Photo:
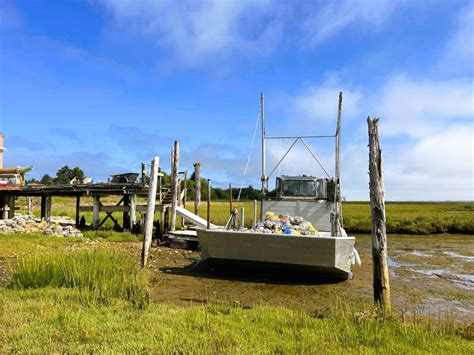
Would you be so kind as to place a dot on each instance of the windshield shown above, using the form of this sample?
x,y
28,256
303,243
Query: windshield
x,y
299,188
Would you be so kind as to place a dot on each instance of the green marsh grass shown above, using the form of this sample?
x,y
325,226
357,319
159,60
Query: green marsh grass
x,y
402,217
101,275
54,320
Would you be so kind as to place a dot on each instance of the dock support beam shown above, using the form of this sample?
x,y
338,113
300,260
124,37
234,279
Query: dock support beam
x,y
95,211
126,214
30,205
150,214
11,205
46,207
78,206
133,211
377,208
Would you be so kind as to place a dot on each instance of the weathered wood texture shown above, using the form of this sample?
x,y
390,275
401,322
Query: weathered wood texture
x,y
95,211
126,213
209,193
30,205
197,184
133,211
377,207
78,206
174,184
231,203
150,215
46,207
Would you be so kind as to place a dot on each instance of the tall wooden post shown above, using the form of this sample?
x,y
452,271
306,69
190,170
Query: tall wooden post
x,y
150,214
377,207
95,211
11,206
126,212
133,211
242,217
30,205
46,207
197,185
174,182
209,193
78,205
231,207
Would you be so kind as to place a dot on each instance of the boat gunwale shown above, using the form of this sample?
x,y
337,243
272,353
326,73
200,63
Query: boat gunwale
x,y
215,231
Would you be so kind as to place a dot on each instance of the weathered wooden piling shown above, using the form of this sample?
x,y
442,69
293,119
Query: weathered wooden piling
x,y
78,206
126,212
209,192
30,205
95,211
381,282
150,215
45,207
197,185
133,211
231,207
174,184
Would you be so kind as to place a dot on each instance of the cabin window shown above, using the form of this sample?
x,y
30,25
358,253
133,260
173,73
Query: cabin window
x,y
299,188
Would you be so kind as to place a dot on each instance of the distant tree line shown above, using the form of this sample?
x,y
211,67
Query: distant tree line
x,y
217,193
63,176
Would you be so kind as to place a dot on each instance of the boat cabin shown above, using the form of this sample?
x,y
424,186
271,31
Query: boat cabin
x,y
304,187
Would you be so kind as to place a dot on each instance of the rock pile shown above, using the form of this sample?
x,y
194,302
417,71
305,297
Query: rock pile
x,y
58,225
283,224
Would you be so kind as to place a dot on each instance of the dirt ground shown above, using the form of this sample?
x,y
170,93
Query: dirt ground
x,y
429,274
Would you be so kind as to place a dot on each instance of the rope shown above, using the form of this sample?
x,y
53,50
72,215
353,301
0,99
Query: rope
x,y
250,154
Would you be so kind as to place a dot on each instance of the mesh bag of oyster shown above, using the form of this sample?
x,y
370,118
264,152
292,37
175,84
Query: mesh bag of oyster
x,y
284,224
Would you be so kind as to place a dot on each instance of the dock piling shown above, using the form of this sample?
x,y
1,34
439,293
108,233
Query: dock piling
x,y
377,208
150,215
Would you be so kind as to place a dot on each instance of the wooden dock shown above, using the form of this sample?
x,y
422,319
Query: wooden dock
x,y
127,204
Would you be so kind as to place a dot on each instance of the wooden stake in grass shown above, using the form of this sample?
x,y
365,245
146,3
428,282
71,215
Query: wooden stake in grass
x,y
150,214
377,207
209,193
197,184
175,184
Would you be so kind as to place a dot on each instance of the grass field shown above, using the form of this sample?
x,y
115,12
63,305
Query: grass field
x,y
88,295
402,217
47,305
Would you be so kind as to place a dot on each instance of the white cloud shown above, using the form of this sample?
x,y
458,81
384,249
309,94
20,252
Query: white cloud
x,y
427,129
198,30
332,17
320,102
436,167
418,107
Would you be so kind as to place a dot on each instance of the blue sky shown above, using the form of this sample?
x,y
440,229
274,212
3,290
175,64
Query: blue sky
x,y
108,84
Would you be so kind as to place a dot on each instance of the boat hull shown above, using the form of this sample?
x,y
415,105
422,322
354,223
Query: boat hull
x,y
326,255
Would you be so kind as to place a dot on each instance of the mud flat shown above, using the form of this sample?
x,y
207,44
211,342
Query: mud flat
x,y
429,274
